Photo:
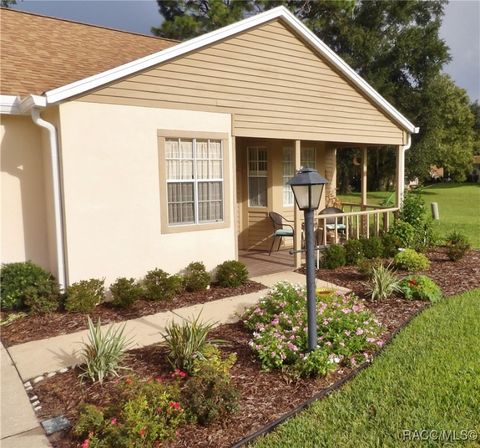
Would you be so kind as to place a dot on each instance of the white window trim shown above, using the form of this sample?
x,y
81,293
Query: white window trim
x,y
195,181
257,147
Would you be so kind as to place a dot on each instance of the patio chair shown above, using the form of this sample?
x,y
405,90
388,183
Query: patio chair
x,y
330,224
280,229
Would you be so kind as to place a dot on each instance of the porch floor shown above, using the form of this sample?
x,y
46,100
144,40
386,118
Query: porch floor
x,y
259,262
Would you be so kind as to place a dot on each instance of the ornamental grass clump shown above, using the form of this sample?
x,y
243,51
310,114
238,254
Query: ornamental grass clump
x,y
186,341
347,331
103,352
383,283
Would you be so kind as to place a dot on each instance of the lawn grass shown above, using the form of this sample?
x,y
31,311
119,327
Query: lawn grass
x,y
459,207
427,379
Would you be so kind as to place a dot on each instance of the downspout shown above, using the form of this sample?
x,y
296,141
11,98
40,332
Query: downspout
x,y
57,197
401,168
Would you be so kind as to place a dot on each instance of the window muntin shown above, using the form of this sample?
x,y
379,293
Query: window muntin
x,y
195,180
307,160
257,176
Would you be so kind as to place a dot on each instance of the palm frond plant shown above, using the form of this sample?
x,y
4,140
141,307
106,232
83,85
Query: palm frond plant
x,y
186,342
103,352
383,282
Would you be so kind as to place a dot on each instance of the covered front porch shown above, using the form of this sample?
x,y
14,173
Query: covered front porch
x,y
263,168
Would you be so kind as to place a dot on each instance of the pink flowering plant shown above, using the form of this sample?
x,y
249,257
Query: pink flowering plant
x,y
347,331
147,413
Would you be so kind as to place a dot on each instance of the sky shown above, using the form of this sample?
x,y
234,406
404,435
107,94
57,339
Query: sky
x,y
460,28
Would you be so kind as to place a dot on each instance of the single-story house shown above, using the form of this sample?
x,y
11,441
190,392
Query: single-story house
x,y
122,152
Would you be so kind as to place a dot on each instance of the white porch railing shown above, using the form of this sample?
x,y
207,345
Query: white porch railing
x,y
338,227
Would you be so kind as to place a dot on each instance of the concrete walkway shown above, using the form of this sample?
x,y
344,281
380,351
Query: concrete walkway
x,y
48,355
19,425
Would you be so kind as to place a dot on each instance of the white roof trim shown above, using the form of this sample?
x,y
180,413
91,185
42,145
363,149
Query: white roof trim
x,y
92,82
9,104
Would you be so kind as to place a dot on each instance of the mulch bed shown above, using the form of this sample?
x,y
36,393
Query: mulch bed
x,y
40,326
453,277
264,396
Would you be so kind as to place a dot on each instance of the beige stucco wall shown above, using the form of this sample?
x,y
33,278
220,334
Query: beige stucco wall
x,y
112,192
24,228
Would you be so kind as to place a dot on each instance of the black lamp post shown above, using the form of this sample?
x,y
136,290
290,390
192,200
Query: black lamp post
x,y
307,186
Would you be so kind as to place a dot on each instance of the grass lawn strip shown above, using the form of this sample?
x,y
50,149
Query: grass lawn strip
x,y
427,379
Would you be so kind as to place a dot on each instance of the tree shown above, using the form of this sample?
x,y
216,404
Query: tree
x,y
185,19
475,108
7,3
448,134
394,45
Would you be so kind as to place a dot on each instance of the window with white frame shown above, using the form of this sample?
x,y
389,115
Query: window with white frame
x,y
195,180
257,176
307,160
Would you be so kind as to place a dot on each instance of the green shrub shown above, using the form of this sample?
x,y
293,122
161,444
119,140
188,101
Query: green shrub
x,y
125,291
334,256
90,419
196,277
366,266
391,244
231,274
16,278
210,393
420,287
353,251
146,414
425,236
457,245
161,286
404,232
84,296
185,342
410,260
346,329
44,297
103,352
372,247
413,210
383,283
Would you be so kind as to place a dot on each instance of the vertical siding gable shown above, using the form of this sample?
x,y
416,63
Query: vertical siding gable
x,y
272,82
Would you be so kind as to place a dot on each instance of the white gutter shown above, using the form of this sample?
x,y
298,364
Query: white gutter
x,y
401,168
9,104
57,204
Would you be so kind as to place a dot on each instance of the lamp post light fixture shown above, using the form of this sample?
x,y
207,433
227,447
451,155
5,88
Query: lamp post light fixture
x,y
307,186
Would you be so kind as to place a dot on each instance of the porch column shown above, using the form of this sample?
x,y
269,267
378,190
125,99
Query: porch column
x,y
297,241
364,186
400,175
